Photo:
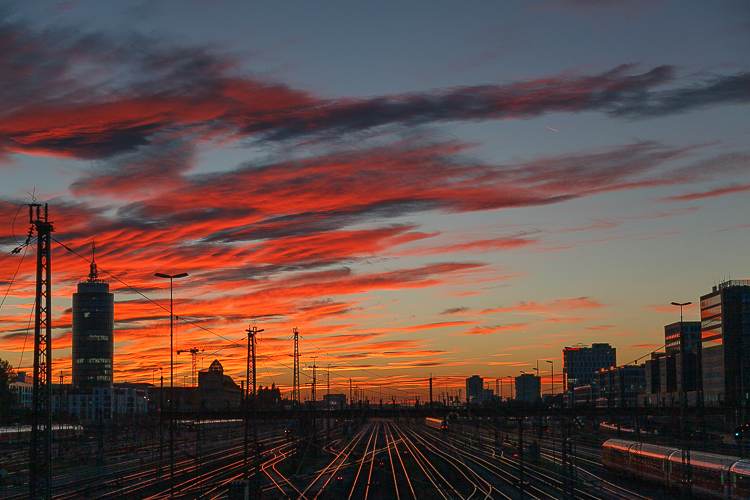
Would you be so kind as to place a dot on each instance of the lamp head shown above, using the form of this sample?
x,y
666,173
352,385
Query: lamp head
x,y
172,276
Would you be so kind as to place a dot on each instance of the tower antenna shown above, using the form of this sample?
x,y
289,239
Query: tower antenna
x,y
93,270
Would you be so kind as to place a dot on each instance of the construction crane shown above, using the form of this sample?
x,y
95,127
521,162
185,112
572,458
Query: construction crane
x,y
194,353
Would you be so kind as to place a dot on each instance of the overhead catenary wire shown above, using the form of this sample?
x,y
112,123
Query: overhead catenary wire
x,y
26,337
355,367
133,289
13,279
647,354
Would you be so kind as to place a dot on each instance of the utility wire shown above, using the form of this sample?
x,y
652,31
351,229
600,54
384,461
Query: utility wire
x,y
28,328
362,369
647,354
13,224
25,249
138,291
221,336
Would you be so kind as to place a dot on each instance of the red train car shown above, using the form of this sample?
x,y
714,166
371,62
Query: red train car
x,y
707,474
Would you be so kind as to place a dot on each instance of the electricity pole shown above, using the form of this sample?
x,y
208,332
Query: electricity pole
x,y
686,479
251,333
40,458
430,390
295,386
313,394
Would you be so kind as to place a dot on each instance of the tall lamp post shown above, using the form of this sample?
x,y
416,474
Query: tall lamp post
x,y
171,277
552,375
510,396
683,407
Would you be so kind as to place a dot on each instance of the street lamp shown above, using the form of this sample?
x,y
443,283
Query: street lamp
x,y
552,374
681,305
683,407
510,396
171,277
153,380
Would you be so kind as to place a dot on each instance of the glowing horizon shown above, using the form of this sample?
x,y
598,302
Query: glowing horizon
x,y
447,194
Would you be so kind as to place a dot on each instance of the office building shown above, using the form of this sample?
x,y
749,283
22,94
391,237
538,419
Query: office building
x,y
475,389
725,333
683,343
581,362
93,333
653,377
619,386
528,388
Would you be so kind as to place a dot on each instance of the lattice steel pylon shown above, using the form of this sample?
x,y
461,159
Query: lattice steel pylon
x,y
40,456
295,385
313,394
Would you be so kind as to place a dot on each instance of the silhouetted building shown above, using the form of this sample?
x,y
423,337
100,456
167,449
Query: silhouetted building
x,y
683,354
269,398
580,363
582,396
725,332
528,388
218,391
653,377
619,386
91,396
334,401
93,333
475,389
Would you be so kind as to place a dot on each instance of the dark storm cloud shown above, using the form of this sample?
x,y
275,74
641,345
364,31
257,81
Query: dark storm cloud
x,y
129,100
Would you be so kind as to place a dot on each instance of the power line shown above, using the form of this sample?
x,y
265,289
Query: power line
x,y
638,359
26,337
139,292
360,368
13,279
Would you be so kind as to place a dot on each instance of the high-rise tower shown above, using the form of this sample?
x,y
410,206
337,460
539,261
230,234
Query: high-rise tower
x,y
725,331
93,332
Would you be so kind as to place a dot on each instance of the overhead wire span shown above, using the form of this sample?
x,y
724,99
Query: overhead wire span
x,y
13,279
355,367
138,291
26,337
647,354
133,289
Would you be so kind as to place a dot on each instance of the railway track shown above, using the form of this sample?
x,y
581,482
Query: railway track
x,y
381,460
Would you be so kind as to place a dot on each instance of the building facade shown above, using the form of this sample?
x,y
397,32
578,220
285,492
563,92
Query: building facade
x,y
475,389
217,391
619,386
725,333
528,388
101,403
580,363
93,333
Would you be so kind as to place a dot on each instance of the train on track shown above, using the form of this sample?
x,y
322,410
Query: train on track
x,y
707,474
436,423
22,433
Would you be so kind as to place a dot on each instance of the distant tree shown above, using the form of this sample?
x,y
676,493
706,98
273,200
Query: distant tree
x,y
6,396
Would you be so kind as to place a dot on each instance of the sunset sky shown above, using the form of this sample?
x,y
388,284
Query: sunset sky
x,y
422,187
